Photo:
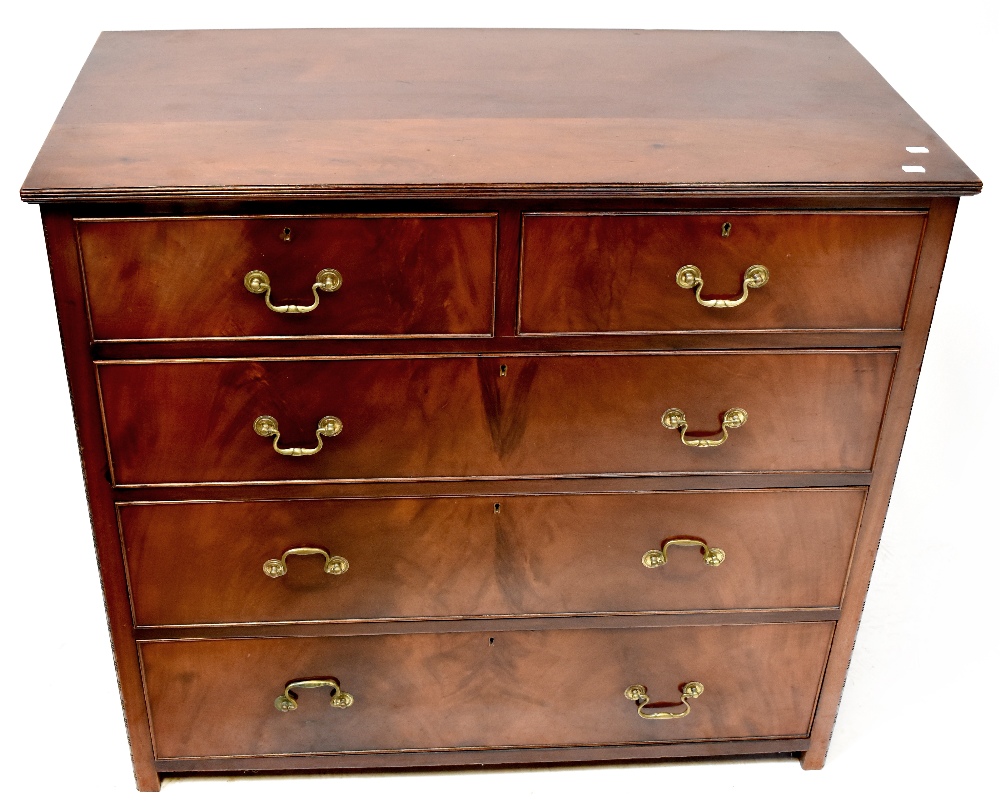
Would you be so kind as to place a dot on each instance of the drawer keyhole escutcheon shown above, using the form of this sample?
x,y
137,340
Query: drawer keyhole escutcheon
x,y
714,557
690,691
726,229
267,426
674,419
338,699
690,277
332,565
328,280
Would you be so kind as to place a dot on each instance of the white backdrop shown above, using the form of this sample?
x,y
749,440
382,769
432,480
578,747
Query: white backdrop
x,y
917,722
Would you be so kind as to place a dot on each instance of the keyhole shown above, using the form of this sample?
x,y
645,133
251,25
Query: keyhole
x,y
286,234
726,228
496,509
491,640
503,370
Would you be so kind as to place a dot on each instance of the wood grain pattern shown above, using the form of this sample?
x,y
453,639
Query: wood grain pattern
x,y
468,690
177,278
211,114
616,272
191,423
504,341
927,281
470,635
450,557
73,331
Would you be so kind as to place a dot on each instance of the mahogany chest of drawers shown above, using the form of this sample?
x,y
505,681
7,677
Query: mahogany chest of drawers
x,y
525,396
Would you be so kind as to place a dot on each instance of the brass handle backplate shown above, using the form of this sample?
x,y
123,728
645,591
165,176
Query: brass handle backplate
x,y
338,699
328,280
267,426
331,565
654,558
690,691
690,277
675,418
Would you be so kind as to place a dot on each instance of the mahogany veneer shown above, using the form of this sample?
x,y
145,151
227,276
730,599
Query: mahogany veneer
x,y
412,558
475,690
182,278
450,417
508,212
614,272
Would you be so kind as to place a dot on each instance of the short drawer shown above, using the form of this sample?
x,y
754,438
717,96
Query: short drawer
x,y
187,278
191,422
618,272
237,562
477,690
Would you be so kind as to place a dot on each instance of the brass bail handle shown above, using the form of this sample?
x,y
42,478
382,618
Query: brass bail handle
x,y
713,557
328,280
332,565
690,691
690,277
267,426
674,419
338,699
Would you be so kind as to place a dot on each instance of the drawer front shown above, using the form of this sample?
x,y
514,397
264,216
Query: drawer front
x,y
204,563
474,690
617,273
193,422
402,275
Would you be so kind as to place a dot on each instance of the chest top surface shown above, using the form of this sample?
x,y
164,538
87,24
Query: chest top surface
x,y
338,113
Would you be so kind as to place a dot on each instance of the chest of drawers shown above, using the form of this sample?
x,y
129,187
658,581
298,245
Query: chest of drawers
x,y
526,396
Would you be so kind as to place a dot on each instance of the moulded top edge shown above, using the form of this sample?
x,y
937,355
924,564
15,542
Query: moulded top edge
x,y
81,195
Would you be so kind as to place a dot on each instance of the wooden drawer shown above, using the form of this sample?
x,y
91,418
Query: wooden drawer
x,y
203,563
180,422
183,278
616,272
475,690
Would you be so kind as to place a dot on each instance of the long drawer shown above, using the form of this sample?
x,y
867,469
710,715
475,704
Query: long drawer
x,y
218,563
215,277
477,690
620,272
181,422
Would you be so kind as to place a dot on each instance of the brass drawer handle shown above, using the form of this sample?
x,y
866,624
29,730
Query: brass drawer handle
x,y
338,699
257,282
654,558
675,418
691,691
267,426
690,277
331,565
